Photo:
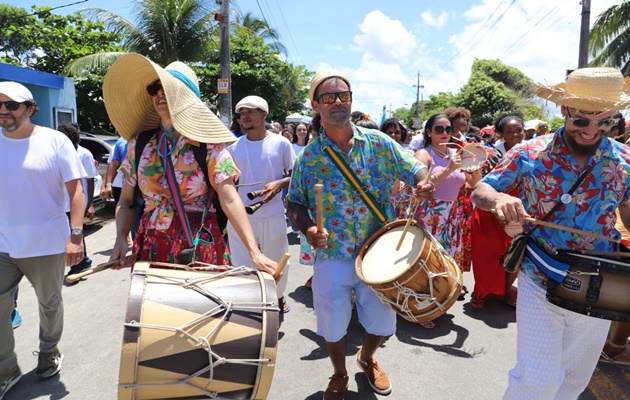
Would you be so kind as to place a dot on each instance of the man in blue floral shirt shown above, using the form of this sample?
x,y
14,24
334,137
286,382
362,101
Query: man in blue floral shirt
x,y
377,161
558,349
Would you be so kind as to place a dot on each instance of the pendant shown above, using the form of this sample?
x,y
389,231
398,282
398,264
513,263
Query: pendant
x,y
566,198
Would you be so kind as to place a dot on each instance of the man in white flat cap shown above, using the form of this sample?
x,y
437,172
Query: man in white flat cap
x,y
577,178
265,160
37,165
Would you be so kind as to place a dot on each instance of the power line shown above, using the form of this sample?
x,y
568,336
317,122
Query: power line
x,y
518,41
289,31
483,25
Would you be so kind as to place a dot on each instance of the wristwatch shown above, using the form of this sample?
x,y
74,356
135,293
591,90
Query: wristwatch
x,y
76,231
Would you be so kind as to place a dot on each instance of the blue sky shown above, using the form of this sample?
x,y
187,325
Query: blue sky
x,y
382,46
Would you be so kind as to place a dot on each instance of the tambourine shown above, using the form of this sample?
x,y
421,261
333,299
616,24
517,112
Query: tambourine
x,y
472,156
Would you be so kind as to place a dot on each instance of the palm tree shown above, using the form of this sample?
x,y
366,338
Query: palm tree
x,y
610,38
248,24
167,31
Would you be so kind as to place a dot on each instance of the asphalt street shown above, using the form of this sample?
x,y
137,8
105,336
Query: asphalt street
x,y
467,356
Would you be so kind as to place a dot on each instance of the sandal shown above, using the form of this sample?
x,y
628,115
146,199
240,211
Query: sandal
x,y
284,307
309,283
622,358
427,325
475,303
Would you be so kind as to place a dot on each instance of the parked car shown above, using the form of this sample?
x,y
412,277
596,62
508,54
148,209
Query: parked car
x,y
101,146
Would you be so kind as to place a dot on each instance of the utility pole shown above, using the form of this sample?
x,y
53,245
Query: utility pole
x,y
584,34
224,60
416,122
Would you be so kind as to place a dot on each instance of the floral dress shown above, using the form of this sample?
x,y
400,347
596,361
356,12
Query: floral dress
x,y
160,236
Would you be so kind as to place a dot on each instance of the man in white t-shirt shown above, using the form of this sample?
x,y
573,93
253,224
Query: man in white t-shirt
x,y
38,166
265,160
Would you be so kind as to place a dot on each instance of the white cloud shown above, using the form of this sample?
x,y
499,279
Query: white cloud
x,y
437,21
384,38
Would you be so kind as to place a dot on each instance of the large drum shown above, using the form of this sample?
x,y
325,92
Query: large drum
x,y
594,286
192,334
420,281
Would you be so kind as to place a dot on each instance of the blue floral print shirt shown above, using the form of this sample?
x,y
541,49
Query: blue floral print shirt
x,y
543,170
377,160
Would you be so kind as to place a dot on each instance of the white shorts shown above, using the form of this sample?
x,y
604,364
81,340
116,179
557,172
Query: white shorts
x,y
333,281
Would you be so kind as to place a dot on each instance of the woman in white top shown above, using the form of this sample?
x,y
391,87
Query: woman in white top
x,y
300,138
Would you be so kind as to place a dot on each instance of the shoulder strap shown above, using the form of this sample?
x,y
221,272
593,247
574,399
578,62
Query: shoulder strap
x,y
141,142
201,153
354,180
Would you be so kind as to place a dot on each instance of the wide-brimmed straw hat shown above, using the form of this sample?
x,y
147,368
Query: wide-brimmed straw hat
x,y
590,89
130,107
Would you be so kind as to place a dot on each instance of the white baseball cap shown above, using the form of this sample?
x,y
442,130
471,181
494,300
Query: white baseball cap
x,y
531,124
16,91
252,102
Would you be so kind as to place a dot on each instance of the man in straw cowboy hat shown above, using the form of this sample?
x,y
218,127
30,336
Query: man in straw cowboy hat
x,y
347,224
557,349
162,108
38,167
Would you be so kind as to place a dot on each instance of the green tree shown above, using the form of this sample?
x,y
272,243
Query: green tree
x,y
609,42
47,42
257,70
250,25
494,88
167,31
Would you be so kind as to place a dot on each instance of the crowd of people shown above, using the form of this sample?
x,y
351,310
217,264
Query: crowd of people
x,y
177,169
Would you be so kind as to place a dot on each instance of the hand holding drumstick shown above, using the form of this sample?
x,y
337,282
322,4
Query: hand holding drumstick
x,y
317,235
423,186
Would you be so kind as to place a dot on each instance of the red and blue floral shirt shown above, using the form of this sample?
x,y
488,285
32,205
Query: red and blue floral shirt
x,y
542,170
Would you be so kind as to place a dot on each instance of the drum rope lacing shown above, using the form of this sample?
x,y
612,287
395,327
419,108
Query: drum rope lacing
x,y
423,300
224,306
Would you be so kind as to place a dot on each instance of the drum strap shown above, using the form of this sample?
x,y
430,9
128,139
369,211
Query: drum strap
x,y
354,180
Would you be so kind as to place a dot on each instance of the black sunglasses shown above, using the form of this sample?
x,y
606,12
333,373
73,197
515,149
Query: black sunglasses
x,y
10,105
442,129
602,124
154,88
329,98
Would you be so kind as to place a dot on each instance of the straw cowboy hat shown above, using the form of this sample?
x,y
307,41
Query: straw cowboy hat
x,y
130,107
590,89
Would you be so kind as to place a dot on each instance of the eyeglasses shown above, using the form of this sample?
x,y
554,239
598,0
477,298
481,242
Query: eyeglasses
x,y
442,129
10,105
603,124
329,98
154,88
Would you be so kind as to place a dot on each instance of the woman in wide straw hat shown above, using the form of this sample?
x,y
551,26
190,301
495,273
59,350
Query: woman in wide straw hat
x,y
160,110
583,177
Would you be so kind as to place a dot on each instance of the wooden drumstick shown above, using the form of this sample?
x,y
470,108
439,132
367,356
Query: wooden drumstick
x,y
281,265
572,230
413,212
254,194
254,207
565,228
319,191
98,268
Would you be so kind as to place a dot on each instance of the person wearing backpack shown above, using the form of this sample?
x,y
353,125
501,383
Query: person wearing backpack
x,y
162,107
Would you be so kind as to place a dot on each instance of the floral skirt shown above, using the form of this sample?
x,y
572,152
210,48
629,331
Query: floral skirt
x,y
439,217
155,245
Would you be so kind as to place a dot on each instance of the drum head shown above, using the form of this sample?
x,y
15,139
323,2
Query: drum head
x,y
472,156
382,262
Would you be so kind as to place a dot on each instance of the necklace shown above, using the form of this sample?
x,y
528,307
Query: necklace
x,y
439,152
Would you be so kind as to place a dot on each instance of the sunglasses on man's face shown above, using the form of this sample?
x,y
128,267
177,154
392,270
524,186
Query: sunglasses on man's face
x,y
10,105
442,129
329,98
581,122
154,88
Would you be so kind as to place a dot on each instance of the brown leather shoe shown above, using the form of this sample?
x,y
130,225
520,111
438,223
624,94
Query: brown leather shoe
x,y
337,387
377,378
